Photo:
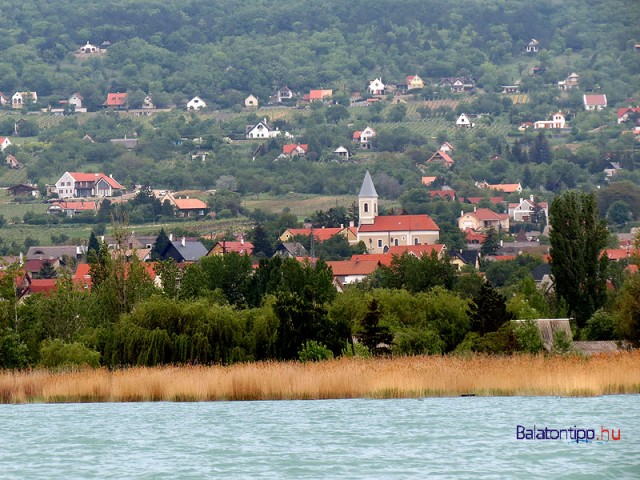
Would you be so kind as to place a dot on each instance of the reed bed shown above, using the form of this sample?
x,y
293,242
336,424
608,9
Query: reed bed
x,y
407,377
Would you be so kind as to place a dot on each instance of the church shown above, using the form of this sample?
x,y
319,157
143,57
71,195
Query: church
x,y
379,233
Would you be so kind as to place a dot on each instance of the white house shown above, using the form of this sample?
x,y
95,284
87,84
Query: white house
x,y
283,94
4,143
80,185
89,48
261,130
558,121
76,100
376,87
612,169
251,102
341,152
19,99
523,210
196,103
533,46
365,137
594,102
463,121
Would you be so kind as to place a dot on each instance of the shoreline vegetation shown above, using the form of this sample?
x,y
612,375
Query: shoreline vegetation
x,y
406,377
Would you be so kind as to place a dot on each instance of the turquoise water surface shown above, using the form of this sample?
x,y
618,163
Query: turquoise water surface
x,y
433,437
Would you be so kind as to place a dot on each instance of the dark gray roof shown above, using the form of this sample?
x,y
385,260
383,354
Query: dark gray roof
x,y
540,271
191,251
125,142
367,189
44,253
470,257
295,249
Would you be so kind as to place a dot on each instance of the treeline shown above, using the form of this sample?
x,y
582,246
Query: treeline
x,y
223,310
224,50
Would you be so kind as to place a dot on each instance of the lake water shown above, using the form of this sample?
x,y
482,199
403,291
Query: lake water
x,y
438,437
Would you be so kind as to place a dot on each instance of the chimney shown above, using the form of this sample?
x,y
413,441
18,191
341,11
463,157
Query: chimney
x,y
342,225
462,213
522,199
501,243
531,198
183,241
352,223
242,240
21,259
475,209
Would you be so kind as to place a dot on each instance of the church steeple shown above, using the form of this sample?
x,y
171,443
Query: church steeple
x,y
367,201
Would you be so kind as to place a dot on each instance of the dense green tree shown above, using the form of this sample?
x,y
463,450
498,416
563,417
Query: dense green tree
x,y
489,310
94,244
373,335
160,245
47,270
577,239
491,243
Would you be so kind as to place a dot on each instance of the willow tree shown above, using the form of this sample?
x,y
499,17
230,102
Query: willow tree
x,y
578,237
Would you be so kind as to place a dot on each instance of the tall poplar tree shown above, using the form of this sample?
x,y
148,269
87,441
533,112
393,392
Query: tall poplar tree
x,y
578,237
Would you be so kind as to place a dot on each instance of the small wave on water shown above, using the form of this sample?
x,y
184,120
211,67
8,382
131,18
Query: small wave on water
x,y
473,437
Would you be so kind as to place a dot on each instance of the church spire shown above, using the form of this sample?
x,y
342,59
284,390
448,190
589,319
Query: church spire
x,y
367,201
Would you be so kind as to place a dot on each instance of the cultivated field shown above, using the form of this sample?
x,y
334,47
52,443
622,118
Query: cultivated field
x,y
407,377
299,204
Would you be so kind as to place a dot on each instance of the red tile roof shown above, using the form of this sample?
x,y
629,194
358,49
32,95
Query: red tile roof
x,y
443,194
506,187
237,247
486,214
441,155
621,253
380,258
290,147
116,100
356,135
321,234
43,285
79,206
395,223
82,277
94,177
319,94
353,267
417,250
472,236
190,204
598,99
426,181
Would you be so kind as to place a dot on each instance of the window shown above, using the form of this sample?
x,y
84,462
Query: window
x,y
416,241
379,243
366,208
395,242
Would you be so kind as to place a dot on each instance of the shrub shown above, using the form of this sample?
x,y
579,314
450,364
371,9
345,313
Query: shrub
x,y
58,354
601,326
561,342
528,337
13,352
313,351
418,341
355,350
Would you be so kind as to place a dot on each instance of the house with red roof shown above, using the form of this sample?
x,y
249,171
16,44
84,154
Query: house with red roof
x,y
594,102
427,181
4,143
414,82
295,149
624,113
190,207
223,247
318,95
501,187
440,158
73,208
116,101
351,271
80,185
321,234
379,233
445,194
477,200
365,137
482,219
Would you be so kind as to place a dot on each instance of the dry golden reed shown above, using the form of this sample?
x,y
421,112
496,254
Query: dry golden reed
x,y
341,378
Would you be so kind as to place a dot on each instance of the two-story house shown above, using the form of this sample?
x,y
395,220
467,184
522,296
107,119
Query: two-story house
x,y
79,185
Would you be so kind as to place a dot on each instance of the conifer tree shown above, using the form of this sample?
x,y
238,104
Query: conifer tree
x,y
489,310
160,245
491,243
377,338
578,237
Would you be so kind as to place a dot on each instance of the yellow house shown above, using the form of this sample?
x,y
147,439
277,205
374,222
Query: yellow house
x,y
483,219
414,82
